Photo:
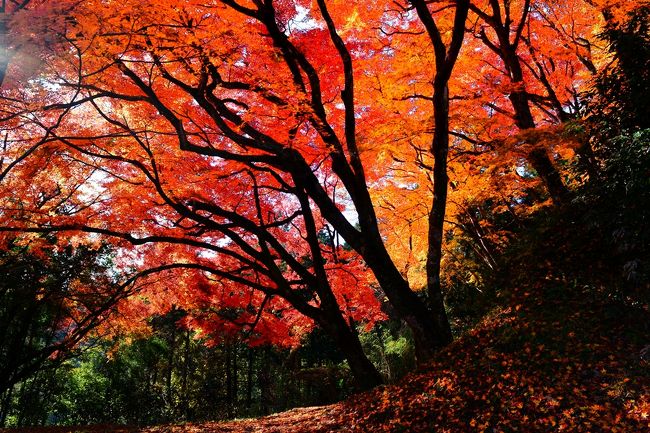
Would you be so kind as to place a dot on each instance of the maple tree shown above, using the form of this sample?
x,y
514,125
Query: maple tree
x,y
265,167
488,148
259,193
249,155
510,30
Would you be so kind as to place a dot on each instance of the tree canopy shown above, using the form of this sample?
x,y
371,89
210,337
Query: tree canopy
x,y
271,166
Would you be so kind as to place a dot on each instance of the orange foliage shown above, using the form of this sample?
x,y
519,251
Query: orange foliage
x,y
161,127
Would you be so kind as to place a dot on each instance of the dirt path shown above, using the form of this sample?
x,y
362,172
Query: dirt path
x,y
300,420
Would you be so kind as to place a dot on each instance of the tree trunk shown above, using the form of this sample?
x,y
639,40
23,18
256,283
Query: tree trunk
x,y
170,369
185,372
249,379
235,382
229,387
430,325
520,101
538,157
264,380
369,244
548,173
439,149
364,372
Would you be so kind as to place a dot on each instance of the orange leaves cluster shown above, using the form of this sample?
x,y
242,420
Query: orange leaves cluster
x,y
108,157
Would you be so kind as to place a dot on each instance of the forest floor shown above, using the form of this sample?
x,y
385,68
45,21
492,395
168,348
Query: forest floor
x,y
556,358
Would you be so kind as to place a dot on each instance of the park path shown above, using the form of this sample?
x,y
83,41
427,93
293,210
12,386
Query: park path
x,y
318,419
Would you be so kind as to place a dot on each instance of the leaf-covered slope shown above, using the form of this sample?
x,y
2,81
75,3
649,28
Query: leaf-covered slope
x,y
559,364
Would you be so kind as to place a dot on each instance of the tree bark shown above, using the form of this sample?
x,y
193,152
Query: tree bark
x,y
235,382
445,57
184,378
249,379
538,157
364,372
440,150
170,368
264,380
229,379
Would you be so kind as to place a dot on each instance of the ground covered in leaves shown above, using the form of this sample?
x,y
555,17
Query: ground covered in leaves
x,y
558,358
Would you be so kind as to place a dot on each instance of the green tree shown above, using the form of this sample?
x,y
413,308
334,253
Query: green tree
x,y
48,304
